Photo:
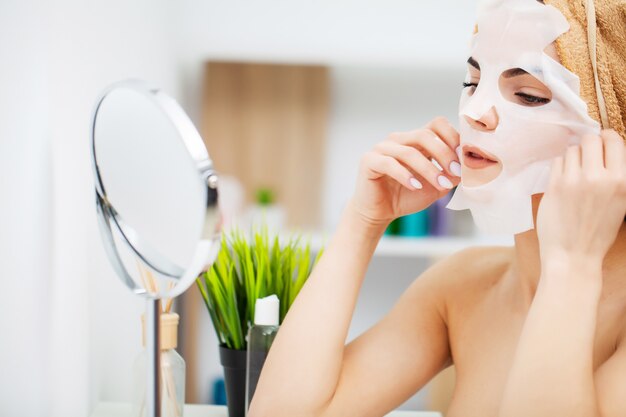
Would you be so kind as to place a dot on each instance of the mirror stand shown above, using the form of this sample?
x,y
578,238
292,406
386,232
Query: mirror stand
x,y
153,356
157,173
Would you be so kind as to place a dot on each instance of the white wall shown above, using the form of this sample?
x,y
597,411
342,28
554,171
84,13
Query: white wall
x,y
25,228
69,327
391,32
92,45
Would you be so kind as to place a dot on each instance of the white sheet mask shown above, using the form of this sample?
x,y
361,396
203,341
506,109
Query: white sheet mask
x,y
514,34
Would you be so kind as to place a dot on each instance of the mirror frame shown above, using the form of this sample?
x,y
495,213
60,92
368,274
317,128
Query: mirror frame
x,y
109,219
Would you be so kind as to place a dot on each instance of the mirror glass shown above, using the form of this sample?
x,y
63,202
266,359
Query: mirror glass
x,y
157,212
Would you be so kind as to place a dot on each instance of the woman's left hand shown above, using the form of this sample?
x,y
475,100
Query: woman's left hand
x,y
584,206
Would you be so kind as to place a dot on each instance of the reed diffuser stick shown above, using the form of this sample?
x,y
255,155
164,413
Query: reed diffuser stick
x,y
168,303
168,378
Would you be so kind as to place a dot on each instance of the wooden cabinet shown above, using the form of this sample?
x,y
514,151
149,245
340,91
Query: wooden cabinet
x,y
266,124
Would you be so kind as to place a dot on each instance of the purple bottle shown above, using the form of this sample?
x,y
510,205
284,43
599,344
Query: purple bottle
x,y
440,217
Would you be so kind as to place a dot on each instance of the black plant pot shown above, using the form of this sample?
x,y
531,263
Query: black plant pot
x,y
234,363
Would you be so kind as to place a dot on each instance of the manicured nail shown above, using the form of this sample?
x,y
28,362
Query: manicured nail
x,y
444,182
416,184
458,151
455,168
436,164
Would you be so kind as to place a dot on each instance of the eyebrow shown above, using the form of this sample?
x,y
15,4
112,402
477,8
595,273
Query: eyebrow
x,y
473,63
514,72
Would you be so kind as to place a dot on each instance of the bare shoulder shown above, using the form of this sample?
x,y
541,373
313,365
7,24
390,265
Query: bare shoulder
x,y
472,266
465,274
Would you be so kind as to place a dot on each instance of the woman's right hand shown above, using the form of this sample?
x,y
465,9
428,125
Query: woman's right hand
x,y
397,177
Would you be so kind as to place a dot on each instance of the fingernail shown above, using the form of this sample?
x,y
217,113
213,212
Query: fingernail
x,y
416,184
444,182
458,151
455,168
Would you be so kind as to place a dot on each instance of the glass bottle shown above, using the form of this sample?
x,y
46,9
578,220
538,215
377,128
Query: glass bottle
x,y
260,338
172,372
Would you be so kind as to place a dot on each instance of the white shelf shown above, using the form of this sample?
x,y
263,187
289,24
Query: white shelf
x,y
430,246
105,409
417,247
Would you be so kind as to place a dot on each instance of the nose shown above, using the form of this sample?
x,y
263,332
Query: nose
x,y
486,123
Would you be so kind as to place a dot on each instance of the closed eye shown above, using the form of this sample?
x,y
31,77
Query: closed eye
x,y
529,99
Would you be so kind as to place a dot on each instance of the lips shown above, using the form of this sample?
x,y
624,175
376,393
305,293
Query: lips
x,y
476,158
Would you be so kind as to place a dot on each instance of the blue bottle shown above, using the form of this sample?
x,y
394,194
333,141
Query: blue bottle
x,y
414,225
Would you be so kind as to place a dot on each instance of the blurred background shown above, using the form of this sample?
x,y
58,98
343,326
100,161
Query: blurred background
x,y
287,94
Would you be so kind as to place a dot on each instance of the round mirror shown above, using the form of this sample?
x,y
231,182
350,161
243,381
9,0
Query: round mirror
x,y
156,190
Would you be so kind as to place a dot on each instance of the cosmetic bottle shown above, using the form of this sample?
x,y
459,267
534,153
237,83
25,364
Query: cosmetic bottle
x,y
172,372
440,218
393,228
414,225
260,338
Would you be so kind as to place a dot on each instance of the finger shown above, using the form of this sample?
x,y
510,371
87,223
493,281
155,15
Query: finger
x,y
592,152
432,146
416,161
571,163
444,129
614,151
386,165
448,133
556,170
441,153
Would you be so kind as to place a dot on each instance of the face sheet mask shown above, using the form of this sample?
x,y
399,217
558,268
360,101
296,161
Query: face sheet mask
x,y
514,34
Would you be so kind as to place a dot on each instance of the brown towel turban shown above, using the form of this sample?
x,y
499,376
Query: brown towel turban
x,y
607,106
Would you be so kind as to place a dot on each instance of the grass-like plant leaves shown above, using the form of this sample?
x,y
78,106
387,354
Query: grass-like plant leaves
x,y
247,269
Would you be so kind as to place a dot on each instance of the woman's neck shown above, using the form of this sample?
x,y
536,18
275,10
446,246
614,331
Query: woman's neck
x,y
526,266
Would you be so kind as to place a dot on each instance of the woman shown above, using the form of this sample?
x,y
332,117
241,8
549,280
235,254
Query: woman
x,y
536,329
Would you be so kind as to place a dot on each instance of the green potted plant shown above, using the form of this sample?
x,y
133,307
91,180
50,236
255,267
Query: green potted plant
x,y
267,210
247,268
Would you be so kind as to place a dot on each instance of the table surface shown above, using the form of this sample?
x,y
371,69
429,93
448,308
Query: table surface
x,y
197,410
